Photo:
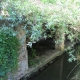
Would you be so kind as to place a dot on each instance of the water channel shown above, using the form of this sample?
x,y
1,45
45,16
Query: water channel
x,y
60,69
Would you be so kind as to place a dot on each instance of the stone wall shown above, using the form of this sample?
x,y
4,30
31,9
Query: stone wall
x,y
23,56
22,68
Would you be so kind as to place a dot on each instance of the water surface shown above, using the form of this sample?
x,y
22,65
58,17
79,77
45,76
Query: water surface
x,y
60,69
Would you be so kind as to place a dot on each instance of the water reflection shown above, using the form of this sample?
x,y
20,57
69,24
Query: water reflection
x,y
58,70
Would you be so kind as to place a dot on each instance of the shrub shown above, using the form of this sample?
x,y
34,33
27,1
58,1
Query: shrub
x,y
9,46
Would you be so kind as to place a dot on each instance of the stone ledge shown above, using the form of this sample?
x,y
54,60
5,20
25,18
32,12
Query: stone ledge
x,y
45,59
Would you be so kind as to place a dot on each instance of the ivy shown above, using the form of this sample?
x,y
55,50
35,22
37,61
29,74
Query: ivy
x,y
9,46
37,23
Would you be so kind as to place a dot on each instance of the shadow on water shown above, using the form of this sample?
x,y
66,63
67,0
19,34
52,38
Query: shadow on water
x,y
60,69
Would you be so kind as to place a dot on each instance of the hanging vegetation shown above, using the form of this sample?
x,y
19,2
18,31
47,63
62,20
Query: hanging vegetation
x,y
9,46
40,21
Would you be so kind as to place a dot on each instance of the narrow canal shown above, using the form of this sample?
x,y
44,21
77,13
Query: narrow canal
x,y
60,69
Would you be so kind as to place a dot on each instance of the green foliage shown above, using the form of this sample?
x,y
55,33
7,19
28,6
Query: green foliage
x,y
79,36
74,53
71,55
77,51
49,1
40,18
9,46
32,57
33,53
61,1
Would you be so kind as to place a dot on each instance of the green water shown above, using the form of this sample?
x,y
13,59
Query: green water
x,y
60,69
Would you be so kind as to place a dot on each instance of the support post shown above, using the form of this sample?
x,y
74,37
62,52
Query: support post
x,y
23,56
59,39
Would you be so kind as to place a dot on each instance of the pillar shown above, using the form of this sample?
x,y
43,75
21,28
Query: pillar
x,y
23,56
59,39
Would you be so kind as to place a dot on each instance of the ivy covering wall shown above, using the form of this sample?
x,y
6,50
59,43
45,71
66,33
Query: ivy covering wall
x,y
9,46
38,20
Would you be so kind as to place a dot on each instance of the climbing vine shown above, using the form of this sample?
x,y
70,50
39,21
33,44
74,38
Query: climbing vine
x,y
9,46
39,22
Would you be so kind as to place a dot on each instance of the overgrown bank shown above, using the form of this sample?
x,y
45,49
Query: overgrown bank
x,y
9,46
42,21
33,22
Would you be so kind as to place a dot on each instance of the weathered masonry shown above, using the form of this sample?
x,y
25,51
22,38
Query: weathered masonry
x,y
23,69
61,43
23,57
